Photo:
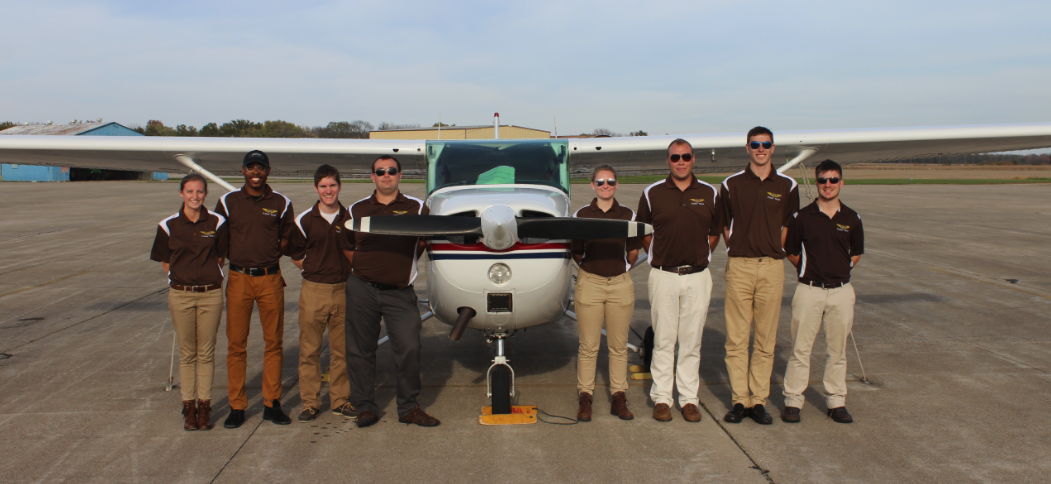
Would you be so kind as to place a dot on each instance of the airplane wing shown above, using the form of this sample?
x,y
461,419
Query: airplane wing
x,y
715,152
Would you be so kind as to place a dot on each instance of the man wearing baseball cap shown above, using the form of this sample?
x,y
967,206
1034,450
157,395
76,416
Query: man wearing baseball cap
x,y
261,222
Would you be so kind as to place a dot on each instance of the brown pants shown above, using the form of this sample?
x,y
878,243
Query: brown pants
x,y
322,306
242,292
603,299
195,316
754,287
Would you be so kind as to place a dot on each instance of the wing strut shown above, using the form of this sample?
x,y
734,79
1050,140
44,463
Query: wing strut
x,y
189,163
801,157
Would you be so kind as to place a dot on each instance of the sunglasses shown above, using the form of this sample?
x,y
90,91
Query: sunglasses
x,y
822,180
390,171
765,144
685,157
602,181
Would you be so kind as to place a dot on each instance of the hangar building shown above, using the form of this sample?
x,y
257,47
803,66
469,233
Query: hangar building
x,y
18,172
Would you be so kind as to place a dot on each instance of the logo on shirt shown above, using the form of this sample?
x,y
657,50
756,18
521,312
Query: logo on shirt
x,y
843,228
400,212
272,213
697,201
208,233
773,196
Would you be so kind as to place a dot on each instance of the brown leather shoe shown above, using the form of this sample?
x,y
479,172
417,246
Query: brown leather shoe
x,y
584,410
662,412
418,417
619,407
691,413
189,415
204,415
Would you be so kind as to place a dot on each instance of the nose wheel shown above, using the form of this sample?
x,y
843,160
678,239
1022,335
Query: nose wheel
x,y
501,381
500,388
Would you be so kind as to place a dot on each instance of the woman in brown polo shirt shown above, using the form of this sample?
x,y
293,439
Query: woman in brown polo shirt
x,y
191,246
604,293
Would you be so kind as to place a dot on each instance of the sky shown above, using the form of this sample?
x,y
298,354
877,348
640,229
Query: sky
x,y
661,67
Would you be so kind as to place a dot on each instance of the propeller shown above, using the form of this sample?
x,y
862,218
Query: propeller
x,y
499,227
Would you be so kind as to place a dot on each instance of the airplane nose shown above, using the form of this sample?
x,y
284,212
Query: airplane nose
x,y
499,228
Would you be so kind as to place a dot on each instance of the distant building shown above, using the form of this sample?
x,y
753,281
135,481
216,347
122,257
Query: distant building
x,y
461,132
18,172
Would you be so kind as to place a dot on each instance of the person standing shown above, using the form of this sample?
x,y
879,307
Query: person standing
x,y
604,292
381,288
261,222
756,205
682,210
191,246
314,249
825,241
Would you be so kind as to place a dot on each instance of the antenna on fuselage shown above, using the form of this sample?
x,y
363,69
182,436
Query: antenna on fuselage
x,y
496,125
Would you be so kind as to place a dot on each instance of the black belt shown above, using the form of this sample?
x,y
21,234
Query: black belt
x,y
826,285
382,287
196,288
682,270
255,271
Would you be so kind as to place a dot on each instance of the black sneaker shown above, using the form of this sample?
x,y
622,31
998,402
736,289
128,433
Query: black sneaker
x,y
274,414
308,414
346,411
235,419
735,415
758,413
790,415
840,415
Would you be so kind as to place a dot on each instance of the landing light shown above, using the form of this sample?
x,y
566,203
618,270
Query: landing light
x,y
499,273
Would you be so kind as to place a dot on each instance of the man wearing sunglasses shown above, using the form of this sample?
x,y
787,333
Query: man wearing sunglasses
x,y
756,205
261,222
384,268
825,241
682,210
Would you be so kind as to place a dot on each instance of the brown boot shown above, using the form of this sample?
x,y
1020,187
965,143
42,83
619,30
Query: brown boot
x,y
619,407
204,415
189,414
584,412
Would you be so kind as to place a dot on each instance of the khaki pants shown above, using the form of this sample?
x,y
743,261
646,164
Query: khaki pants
x,y
195,316
754,287
603,299
678,308
242,292
812,306
322,306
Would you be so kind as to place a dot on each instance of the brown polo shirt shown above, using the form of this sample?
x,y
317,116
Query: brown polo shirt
x,y
682,221
257,226
756,210
606,257
387,260
315,241
826,244
192,249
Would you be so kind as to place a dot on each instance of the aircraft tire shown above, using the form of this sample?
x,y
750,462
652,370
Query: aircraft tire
x,y
647,344
501,384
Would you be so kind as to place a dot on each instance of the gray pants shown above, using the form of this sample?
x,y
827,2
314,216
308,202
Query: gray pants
x,y
366,305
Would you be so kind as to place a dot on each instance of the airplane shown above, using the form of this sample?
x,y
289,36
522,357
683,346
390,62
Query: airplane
x,y
499,228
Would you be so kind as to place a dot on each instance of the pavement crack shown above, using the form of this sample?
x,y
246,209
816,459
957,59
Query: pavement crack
x,y
231,459
755,465
154,293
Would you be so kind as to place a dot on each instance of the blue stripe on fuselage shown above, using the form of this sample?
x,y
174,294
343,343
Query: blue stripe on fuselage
x,y
496,256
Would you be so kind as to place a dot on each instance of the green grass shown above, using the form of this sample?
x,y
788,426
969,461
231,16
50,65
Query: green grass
x,y
646,179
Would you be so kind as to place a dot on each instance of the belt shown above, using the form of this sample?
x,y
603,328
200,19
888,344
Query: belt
x,y
826,285
256,271
382,287
682,270
197,288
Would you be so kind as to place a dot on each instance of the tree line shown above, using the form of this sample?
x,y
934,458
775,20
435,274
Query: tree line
x,y
243,128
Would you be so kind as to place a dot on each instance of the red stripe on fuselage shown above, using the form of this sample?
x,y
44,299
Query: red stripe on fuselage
x,y
480,247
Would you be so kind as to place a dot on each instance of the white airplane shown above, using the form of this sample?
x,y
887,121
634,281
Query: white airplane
x,y
500,228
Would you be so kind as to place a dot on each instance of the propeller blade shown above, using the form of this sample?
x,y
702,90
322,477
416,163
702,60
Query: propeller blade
x,y
580,228
417,225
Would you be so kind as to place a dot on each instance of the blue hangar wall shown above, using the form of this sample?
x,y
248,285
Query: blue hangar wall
x,y
15,172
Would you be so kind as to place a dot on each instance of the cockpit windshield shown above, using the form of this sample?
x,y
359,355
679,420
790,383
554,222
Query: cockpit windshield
x,y
498,162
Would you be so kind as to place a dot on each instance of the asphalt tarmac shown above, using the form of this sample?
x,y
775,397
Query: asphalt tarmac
x,y
951,324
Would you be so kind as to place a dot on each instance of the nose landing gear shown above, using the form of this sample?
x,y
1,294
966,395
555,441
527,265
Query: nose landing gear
x,y
500,388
